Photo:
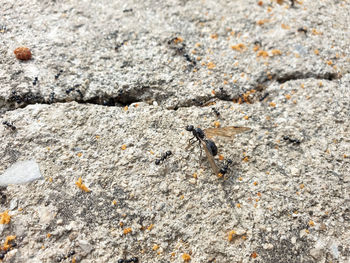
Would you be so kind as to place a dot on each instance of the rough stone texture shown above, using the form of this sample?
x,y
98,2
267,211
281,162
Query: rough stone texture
x,y
287,193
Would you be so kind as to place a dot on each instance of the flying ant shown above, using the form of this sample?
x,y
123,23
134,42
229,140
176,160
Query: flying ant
x,y
209,146
163,157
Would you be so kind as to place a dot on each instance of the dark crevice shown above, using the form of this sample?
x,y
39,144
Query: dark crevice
x,y
305,75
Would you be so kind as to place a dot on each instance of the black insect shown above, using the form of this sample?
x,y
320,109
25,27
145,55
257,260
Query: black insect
x,y
58,74
302,30
9,125
128,10
35,81
264,96
295,141
163,157
217,113
292,2
224,168
130,260
209,146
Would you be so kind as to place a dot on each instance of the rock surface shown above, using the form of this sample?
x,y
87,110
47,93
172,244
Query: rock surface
x,y
110,88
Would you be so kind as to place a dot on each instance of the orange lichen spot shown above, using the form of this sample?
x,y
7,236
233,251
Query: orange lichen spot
x,y
186,257
254,255
316,52
301,186
221,157
225,82
268,118
123,147
307,231
149,228
345,156
216,124
258,194
255,183
272,104
211,65
288,97
136,105
240,178
220,175
172,254
315,32
238,205
280,2
276,52
82,186
330,62
127,230
231,235
232,33
97,137
198,58
178,40
74,260
197,45
194,175
155,247
239,47
246,117
8,239
48,235
214,36
311,223
284,26
79,154
260,3
269,9
151,152
262,53
213,92
23,53
320,84
5,218
114,202
246,159
302,85
121,224
126,108
262,21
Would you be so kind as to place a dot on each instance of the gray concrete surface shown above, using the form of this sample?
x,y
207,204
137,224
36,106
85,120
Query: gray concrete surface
x,y
118,81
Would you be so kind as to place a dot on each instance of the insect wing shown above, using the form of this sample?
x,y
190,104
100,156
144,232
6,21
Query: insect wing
x,y
228,132
210,158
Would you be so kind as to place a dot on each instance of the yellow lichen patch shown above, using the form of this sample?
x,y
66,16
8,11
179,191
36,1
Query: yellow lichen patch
x,y
186,257
155,247
194,175
240,178
220,175
316,52
182,197
246,117
238,205
149,228
211,65
276,52
97,137
8,239
221,157
5,218
178,40
123,147
288,96
74,260
48,235
311,223
216,124
284,26
262,21
114,202
315,32
330,62
126,108
256,48
320,84
231,235
239,47
272,104
246,159
82,186
127,230
262,53
79,154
